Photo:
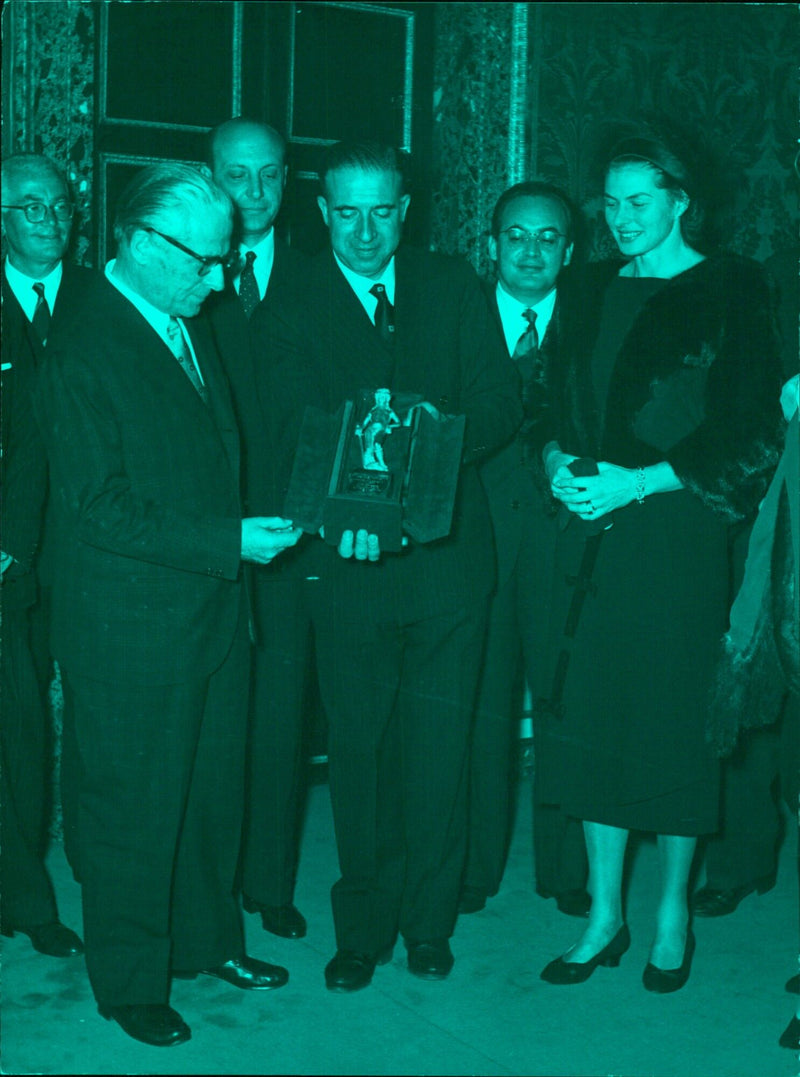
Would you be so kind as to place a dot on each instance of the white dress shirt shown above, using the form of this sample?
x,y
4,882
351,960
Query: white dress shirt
x,y
22,287
262,266
361,285
513,319
152,315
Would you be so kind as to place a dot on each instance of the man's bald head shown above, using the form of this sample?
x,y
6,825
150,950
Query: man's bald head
x,y
248,160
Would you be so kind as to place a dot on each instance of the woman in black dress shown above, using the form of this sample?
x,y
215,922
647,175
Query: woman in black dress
x,y
675,394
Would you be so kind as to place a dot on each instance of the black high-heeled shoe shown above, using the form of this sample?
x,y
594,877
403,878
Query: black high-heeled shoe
x,y
790,1037
662,981
575,972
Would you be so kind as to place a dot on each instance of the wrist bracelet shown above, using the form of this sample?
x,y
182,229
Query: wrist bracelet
x,y
640,485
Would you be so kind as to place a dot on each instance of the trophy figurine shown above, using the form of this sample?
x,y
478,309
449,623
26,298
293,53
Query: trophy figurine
x,y
389,470
374,428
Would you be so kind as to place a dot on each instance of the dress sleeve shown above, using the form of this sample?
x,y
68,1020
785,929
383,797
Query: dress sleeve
x,y
727,460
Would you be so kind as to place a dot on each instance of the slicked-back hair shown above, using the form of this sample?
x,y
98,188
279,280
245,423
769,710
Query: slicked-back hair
x,y
162,189
368,156
234,125
536,189
16,164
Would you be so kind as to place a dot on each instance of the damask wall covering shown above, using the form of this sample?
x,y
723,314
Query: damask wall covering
x,y
728,71
520,90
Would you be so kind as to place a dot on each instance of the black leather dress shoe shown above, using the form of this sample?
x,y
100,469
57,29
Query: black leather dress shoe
x,y
576,972
52,939
662,981
430,960
284,920
246,972
709,901
153,1023
472,900
350,970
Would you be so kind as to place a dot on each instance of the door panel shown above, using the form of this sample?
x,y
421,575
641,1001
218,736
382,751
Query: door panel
x,y
318,72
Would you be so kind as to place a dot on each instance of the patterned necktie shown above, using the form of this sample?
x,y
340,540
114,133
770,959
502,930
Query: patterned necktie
x,y
384,313
526,352
181,352
41,315
248,285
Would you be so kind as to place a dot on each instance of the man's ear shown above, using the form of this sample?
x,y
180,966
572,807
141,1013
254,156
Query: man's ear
x,y
491,247
140,247
405,201
568,255
322,202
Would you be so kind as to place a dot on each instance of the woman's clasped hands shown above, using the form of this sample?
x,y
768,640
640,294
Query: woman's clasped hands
x,y
593,496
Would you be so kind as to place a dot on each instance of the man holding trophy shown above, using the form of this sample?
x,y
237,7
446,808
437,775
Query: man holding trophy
x,y
399,641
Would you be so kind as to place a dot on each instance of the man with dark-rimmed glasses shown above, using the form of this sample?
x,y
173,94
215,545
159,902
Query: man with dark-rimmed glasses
x,y
150,621
38,291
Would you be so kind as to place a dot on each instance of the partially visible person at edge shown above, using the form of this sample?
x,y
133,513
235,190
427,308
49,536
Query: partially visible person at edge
x,y
674,393
761,649
39,292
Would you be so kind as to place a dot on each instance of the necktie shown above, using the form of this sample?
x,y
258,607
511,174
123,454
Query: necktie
x,y
248,286
181,352
41,315
526,352
384,313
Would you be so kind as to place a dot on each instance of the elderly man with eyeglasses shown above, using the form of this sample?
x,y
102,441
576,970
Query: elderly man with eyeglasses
x,y
150,619
38,291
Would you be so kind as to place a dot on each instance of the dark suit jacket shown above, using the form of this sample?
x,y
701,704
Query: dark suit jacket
x,y
512,477
260,381
144,478
24,467
447,351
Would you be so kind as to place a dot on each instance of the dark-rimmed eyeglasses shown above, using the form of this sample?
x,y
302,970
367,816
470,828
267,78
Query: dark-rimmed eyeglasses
x,y
207,261
544,238
36,212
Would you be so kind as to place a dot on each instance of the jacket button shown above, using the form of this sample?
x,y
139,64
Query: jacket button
x,y
444,401
515,504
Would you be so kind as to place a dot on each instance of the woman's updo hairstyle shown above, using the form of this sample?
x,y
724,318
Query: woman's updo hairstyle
x,y
679,165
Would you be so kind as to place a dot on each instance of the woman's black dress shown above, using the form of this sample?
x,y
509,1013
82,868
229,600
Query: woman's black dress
x,y
630,748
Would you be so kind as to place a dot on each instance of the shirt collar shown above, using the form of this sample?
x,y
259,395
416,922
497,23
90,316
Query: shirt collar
x,y
158,319
361,285
513,320
22,287
262,266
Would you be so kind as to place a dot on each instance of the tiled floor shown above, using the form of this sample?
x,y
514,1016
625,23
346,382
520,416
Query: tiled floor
x,y
492,1016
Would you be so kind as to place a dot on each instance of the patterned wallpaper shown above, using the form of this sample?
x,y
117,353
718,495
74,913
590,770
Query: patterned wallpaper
x,y
728,71
520,90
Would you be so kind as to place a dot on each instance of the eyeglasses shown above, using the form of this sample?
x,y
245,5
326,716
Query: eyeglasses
x,y
544,238
36,212
207,261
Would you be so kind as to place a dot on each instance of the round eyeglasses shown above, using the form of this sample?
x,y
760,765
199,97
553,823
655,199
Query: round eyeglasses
x,y
544,238
207,261
36,212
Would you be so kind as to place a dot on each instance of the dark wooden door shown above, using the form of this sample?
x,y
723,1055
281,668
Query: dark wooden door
x,y
319,72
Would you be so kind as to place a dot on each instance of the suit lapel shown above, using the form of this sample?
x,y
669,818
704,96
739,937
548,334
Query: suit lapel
x,y
219,404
